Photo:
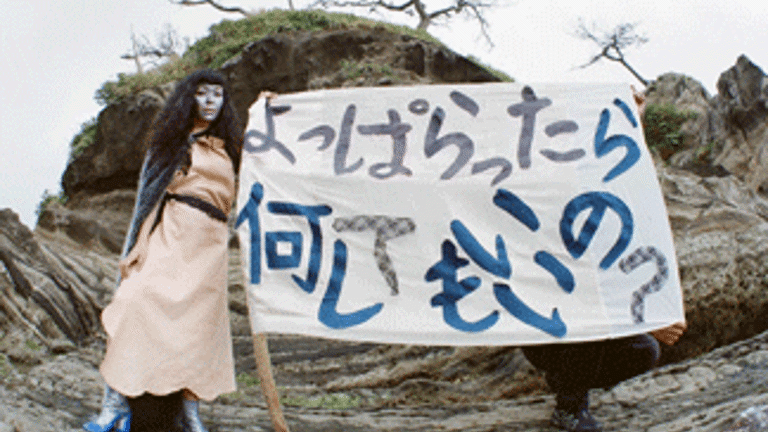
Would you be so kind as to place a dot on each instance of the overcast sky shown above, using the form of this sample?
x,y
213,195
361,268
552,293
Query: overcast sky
x,y
56,54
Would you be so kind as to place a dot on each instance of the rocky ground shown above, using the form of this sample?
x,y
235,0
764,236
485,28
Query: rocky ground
x,y
55,280
707,393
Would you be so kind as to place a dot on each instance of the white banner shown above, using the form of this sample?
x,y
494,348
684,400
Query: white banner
x,y
493,214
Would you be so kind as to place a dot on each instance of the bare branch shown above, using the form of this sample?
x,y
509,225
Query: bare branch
x,y
480,17
216,5
474,9
167,46
612,44
363,3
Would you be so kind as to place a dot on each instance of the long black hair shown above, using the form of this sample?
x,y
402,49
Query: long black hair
x,y
169,136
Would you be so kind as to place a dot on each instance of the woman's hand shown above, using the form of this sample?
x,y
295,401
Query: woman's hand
x,y
133,260
670,335
267,95
640,101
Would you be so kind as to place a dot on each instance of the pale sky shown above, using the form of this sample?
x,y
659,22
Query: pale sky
x,y
56,54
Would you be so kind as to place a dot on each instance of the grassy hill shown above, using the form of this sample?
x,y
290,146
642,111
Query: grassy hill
x,y
227,39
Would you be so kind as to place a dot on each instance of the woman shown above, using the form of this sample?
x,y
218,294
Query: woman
x,y
168,323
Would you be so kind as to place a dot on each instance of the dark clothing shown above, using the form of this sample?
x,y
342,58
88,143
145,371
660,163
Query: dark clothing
x,y
572,369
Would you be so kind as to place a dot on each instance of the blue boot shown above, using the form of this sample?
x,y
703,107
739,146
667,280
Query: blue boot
x,y
115,413
192,422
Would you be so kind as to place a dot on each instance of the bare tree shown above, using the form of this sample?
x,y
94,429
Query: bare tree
x,y
167,45
474,9
612,44
216,5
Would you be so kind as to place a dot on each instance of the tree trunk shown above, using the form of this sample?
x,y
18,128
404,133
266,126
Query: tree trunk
x,y
633,72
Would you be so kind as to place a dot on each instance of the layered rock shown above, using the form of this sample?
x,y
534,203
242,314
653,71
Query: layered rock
x,y
742,103
730,132
723,390
718,220
54,282
50,290
720,229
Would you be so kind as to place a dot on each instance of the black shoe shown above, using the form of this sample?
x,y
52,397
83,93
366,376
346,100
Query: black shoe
x,y
580,421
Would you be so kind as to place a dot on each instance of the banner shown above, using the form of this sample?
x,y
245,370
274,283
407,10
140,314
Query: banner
x,y
493,214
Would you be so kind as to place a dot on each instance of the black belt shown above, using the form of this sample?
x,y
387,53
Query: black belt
x,y
192,201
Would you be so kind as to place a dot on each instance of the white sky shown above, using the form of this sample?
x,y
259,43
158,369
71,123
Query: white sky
x,y
56,54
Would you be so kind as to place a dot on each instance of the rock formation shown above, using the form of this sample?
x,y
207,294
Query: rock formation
x,y
55,281
729,135
720,229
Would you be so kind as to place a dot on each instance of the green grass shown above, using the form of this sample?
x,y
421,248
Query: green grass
x,y
33,345
353,70
504,77
228,38
83,139
662,124
248,380
47,199
5,367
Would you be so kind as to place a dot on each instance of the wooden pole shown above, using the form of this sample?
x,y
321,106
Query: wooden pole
x,y
267,381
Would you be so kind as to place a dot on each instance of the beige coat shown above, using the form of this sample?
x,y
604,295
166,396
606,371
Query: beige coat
x,y
168,323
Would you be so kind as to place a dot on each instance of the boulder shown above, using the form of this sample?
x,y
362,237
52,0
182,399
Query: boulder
x,y
300,61
741,106
97,222
730,131
114,160
282,63
687,95
720,229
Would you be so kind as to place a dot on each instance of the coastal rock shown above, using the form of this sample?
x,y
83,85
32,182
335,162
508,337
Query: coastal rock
x,y
720,229
742,104
52,292
96,222
753,419
287,63
729,134
114,160
55,281
282,63
725,388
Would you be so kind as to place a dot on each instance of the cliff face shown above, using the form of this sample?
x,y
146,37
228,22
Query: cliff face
x,y
55,281
282,63
729,134
101,181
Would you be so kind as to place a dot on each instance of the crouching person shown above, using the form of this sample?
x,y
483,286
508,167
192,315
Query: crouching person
x,y
571,370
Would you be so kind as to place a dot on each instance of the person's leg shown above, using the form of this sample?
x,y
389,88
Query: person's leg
x,y
569,370
190,406
625,358
155,413
114,415
572,369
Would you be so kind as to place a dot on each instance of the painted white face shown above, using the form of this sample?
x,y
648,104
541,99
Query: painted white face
x,y
210,98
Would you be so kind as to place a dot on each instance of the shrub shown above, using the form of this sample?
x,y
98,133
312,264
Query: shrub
x,y
83,139
352,70
495,72
662,124
228,38
49,198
